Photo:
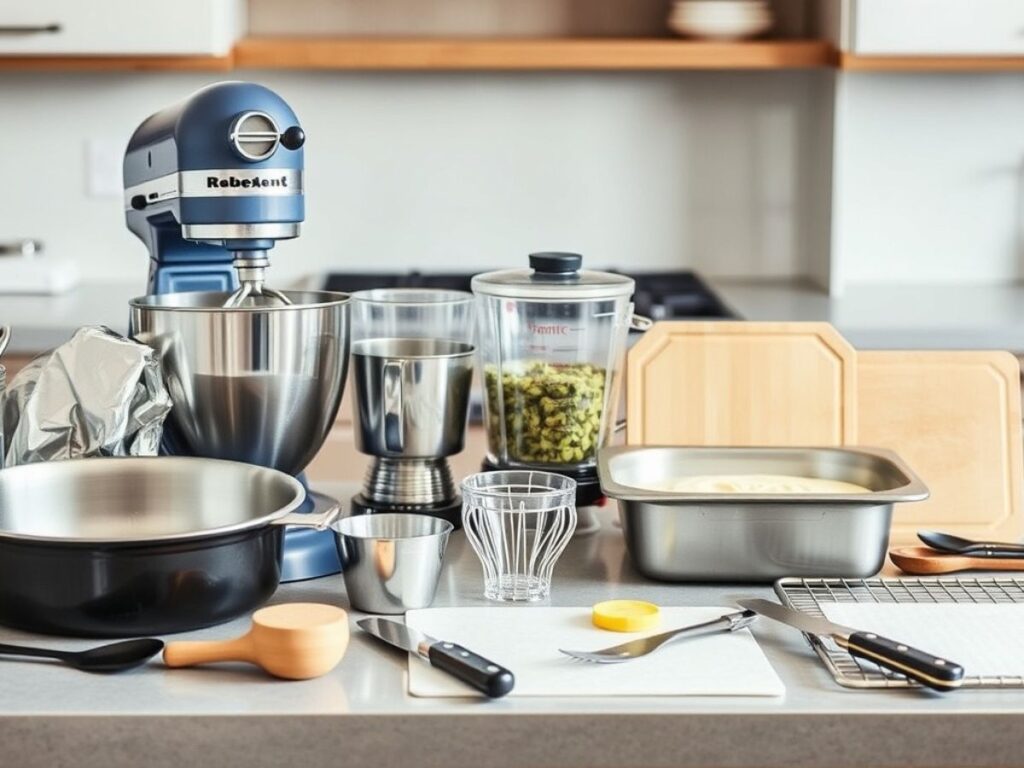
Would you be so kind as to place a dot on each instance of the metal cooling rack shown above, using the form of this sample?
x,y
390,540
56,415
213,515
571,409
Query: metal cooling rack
x,y
808,595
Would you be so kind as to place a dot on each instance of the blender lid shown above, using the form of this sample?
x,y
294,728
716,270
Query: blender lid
x,y
554,275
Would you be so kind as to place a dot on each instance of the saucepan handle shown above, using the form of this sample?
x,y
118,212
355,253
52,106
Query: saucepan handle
x,y
325,511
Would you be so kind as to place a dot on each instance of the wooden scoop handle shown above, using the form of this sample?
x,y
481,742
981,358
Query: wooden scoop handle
x,y
925,561
189,653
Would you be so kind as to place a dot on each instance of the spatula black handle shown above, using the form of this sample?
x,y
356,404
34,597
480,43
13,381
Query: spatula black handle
x,y
482,674
926,668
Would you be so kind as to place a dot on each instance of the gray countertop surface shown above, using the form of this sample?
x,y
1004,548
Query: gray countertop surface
x,y
360,714
870,317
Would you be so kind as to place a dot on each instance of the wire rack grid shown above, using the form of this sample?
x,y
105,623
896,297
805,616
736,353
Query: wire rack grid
x,y
808,595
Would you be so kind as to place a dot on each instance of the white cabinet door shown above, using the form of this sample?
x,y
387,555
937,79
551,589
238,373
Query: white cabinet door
x,y
936,27
120,27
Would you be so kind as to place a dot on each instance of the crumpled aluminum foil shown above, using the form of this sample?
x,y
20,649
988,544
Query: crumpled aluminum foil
x,y
98,394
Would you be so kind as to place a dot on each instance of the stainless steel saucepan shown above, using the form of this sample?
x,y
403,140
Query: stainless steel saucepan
x,y
142,546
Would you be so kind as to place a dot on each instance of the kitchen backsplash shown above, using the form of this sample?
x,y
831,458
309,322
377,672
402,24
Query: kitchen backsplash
x,y
721,172
725,173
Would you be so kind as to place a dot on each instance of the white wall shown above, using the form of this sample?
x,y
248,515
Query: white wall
x,y
724,172
928,185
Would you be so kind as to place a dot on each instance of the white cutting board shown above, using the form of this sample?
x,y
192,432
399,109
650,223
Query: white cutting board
x,y
983,638
526,640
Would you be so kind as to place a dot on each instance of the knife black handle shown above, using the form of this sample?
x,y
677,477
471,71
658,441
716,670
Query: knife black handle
x,y
926,668
487,677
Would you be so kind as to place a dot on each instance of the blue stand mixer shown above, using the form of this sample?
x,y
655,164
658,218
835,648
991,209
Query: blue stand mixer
x,y
211,184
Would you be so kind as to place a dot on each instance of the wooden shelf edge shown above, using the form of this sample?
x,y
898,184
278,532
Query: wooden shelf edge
x,y
115,63
523,54
864,63
526,54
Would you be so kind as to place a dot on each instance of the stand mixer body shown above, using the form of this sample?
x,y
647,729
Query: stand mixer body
x,y
212,183
255,375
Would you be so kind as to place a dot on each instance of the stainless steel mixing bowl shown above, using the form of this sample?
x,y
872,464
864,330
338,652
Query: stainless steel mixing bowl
x,y
259,384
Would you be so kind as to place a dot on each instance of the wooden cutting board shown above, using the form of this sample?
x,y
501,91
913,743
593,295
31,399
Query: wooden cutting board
x,y
736,383
955,418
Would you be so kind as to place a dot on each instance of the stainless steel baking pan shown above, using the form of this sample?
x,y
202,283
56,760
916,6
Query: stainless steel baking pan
x,y
748,537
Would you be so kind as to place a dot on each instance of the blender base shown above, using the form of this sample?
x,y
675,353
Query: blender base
x,y
450,511
309,553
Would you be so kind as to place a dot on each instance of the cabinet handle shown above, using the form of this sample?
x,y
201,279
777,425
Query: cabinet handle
x,y
29,29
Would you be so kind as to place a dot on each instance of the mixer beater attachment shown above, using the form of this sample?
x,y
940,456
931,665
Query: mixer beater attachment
x,y
251,267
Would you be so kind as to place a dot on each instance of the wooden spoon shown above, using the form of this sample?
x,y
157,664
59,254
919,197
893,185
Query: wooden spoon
x,y
925,560
296,641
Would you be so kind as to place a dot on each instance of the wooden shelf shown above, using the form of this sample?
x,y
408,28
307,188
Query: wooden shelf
x,y
859,63
114,63
438,54
526,54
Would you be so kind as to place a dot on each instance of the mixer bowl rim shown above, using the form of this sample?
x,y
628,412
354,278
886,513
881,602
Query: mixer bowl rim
x,y
102,464
154,302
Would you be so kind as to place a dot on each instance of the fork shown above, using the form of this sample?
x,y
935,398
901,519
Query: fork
x,y
634,649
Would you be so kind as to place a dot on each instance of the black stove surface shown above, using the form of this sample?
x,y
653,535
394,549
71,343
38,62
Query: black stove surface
x,y
659,295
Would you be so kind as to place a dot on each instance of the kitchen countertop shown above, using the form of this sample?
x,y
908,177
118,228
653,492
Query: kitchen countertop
x,y
870,317
360,714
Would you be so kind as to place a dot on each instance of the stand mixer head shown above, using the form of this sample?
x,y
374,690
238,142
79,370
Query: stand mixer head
x,y
211,184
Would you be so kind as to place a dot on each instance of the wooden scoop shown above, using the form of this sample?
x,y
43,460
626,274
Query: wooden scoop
x,y
296,641
925,560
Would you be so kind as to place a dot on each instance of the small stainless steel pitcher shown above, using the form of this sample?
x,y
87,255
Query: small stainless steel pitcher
x,y
412,396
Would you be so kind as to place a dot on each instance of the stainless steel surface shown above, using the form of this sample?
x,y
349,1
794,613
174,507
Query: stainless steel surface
x,y
411,396
254,135
812,625
325,513
255,384
642,646
97,394
810,595
141,499
218,233
409,481
399,635
746,537
251,267
391,562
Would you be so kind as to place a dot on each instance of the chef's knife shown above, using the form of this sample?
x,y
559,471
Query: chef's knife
x,y
474,670
925,668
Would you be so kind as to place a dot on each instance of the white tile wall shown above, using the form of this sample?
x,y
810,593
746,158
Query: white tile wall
x,y
725,172
929,179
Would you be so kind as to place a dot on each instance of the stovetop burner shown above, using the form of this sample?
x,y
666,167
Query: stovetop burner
x,y
659,295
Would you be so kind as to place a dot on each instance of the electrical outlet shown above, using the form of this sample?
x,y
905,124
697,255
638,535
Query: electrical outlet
x,y
103,158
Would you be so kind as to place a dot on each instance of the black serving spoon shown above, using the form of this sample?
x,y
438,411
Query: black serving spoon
x,y
113,657
946,542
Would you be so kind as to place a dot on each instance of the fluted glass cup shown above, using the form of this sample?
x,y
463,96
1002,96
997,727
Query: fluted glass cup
x,y
518,523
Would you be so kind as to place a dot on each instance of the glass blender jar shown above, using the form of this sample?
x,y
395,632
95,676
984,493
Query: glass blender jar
x,y
552,342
